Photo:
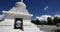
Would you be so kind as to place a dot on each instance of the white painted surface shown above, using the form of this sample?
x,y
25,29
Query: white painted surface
x,y
8,24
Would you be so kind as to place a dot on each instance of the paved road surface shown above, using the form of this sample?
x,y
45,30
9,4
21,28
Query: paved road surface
x,y
47,28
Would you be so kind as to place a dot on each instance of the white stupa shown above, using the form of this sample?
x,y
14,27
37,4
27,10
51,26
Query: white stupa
x,y
16,14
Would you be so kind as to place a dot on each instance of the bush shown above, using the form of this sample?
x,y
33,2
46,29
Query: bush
x,y
58,30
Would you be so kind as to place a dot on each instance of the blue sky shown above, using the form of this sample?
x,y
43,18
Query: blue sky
x,y
35,7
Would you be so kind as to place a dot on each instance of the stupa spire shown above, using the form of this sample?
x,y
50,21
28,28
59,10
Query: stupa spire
x,y
21,0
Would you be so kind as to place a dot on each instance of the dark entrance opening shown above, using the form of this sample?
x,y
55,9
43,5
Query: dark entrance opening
x,y
18,23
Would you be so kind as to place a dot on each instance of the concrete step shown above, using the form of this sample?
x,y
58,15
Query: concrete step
x,y
17,30
28,30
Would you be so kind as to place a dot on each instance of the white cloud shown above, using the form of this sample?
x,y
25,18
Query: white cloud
x,y
57,15
43,17
46,7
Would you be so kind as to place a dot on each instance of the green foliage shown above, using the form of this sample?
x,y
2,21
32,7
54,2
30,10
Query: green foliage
x,y
33,21
37,22
56,20
48,22
58,30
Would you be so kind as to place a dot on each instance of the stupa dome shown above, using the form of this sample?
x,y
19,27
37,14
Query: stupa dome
x,y
20,4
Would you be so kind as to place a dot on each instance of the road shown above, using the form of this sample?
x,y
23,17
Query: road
x,y
48,28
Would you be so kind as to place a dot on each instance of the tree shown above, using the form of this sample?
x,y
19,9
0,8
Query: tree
x,y
37,22
56,20
49,19
33,21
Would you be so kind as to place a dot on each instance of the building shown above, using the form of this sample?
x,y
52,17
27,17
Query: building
x,y
18,20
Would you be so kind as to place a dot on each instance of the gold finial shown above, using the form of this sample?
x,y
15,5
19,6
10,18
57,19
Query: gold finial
x,y
21,0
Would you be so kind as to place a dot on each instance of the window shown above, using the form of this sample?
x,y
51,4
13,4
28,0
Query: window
x,y
18,24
